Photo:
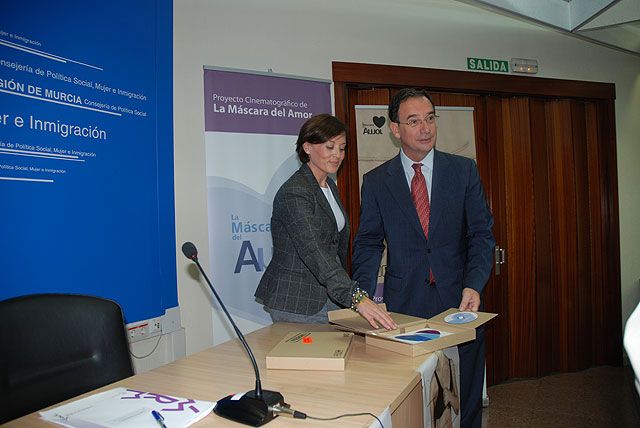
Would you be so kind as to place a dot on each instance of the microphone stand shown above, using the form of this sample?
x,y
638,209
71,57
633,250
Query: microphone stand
x,y
255,407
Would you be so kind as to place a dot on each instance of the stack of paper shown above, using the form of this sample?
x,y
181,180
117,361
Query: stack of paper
x,y
123,408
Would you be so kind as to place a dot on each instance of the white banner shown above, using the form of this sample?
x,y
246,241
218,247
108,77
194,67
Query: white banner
x,y
251,125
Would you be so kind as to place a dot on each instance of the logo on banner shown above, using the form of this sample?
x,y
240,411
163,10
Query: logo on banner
x,y
375,127
248,255
379,121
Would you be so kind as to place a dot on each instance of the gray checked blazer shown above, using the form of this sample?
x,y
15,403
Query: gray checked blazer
x,y
309,254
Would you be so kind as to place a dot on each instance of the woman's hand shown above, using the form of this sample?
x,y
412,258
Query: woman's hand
x,y
375,314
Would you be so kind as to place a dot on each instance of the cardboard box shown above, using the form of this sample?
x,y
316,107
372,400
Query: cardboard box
x,y
346,319
316,350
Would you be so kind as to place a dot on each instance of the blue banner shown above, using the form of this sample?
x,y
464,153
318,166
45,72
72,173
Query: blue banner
x,y
86,151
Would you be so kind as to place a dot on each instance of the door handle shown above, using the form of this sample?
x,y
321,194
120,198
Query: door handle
x,y
498,255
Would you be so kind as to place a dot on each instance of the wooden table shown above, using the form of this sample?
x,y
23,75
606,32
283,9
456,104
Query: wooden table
x,y
373,380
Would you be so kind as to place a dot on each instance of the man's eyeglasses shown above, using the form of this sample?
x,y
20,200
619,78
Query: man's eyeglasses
x,y
430,119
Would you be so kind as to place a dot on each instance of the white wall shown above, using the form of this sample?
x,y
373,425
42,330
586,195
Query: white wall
x,y
303,37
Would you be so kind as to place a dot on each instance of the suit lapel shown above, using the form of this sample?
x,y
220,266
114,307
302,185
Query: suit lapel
x,y
399,189
336,196
345,233
321,200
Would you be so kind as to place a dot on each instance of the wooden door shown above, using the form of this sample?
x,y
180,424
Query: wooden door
x,y
558,283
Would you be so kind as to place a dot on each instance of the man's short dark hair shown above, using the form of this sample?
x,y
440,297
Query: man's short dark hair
x,y
401,96
318,129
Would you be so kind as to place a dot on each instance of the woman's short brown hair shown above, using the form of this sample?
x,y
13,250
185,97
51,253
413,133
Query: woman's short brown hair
x,y
318,129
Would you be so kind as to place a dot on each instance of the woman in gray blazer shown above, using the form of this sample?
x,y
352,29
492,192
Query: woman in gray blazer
x,y
307,275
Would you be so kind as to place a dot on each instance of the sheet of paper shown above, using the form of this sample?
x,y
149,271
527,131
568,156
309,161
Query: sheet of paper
x,y
123,408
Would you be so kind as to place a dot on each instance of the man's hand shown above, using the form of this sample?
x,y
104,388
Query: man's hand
x,y
372,313
470,300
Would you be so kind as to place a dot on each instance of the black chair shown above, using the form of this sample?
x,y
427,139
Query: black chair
x,y
56,346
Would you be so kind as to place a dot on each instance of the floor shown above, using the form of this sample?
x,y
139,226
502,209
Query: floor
x,y
598,397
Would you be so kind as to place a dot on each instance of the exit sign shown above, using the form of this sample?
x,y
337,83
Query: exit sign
x,y
485,64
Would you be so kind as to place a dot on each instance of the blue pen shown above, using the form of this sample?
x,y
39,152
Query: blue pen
x,y
159,418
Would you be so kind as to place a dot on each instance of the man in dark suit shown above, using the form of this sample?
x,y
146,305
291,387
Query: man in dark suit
x,y
430,208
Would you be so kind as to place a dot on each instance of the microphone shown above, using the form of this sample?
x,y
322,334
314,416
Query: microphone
x,y
256,407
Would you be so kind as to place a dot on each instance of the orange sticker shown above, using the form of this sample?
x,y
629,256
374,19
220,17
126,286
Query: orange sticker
x,y
307,340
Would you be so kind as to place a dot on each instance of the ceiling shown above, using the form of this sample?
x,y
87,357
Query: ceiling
x,y
611,23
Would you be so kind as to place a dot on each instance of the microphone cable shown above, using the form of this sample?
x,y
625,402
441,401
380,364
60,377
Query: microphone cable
x,y
287,411
149,354
348,415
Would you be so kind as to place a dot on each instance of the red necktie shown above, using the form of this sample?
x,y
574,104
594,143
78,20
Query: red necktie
x,y
420,196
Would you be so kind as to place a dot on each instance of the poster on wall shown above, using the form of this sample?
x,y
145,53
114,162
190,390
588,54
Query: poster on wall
x,y
377,144
252,121
86,152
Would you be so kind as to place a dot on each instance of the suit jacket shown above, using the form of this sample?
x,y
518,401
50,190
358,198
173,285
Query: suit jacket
x,y
309,254
460,246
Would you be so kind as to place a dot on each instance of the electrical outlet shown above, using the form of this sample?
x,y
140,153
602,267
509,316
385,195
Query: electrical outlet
x,y
144,329
138,332
155,326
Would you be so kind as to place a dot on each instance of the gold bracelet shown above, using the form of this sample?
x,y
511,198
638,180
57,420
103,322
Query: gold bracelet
x,y
358,296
